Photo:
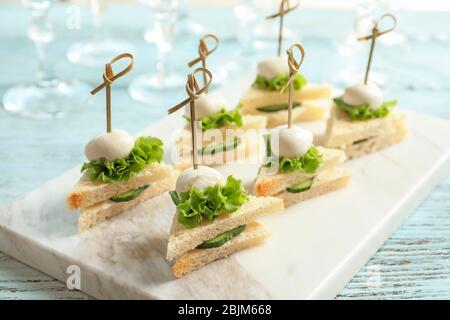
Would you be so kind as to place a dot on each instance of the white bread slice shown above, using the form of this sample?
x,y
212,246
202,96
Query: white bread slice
x,y
240,153
309,110
255,97
331,179
342,132
254,234
87,193
270,184
93,215
249,122
182,240
371,145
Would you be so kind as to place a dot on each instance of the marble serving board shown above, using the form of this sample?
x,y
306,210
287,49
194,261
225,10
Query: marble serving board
x,y
315,249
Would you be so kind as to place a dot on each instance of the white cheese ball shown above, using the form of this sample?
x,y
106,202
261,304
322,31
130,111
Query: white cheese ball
x,y
359,94
290,142
272,67
201,178
207,105
114,145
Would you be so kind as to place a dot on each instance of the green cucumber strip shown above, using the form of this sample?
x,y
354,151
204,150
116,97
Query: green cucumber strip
x,y
222,238
211,150
129,195
300,187
278,107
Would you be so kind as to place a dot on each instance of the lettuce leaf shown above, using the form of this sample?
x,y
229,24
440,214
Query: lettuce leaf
x,y
364,111
196,205
308,163
279,82
145,151
221,118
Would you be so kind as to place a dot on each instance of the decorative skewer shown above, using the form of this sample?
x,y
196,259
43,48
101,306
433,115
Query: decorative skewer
x,y
294,66
285,7
203,53
373,36
108,79
194,91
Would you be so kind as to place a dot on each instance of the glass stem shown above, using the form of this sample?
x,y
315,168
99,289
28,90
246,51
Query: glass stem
x,y
164,24
97,9
42,35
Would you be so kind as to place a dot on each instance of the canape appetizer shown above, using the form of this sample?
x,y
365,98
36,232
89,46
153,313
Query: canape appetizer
x,y
223,132
214,218
267,97
311,101
361,122
295,169
120,173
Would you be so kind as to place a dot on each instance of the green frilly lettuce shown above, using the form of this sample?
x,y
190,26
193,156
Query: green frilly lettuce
x,y
145,151
278,82
196,205
221,118
308,163
365,112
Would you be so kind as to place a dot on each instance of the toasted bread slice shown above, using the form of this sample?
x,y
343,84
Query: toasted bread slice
x,y
182,240
329,180
254,234
87,193
93,215
271,184
343,133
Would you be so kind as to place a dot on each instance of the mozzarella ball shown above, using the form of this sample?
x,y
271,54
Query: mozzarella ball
x,y
201,178
359,94
207,105
290,142
272,67
113,145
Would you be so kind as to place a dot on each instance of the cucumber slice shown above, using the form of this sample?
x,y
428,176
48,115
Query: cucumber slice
x,y
300,187
221,239
211,150
278,107
129,195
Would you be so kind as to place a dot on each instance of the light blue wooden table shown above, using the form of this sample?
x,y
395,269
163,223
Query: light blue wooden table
x,y
413,263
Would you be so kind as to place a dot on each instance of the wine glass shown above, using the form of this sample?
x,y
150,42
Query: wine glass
x,y
47,96
185,26
143,88
101,47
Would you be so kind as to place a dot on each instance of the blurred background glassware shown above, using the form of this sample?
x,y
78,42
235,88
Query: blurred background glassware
x,y
145,88
355,53
101,47
185,26
266,30
48,96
